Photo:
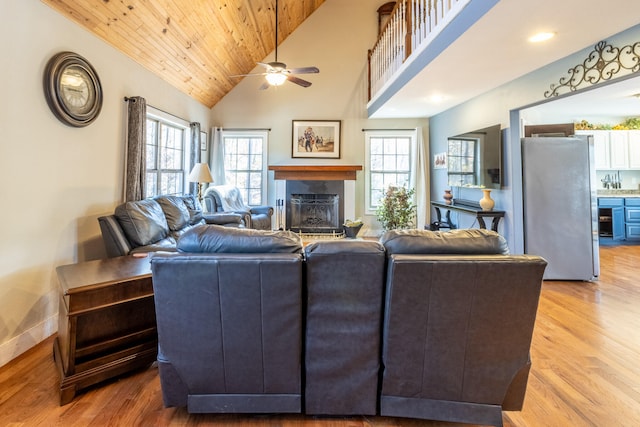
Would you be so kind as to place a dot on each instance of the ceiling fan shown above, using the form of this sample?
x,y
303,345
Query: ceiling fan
x,y
276,73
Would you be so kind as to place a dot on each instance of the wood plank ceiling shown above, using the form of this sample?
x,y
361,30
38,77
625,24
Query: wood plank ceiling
x,y
195,45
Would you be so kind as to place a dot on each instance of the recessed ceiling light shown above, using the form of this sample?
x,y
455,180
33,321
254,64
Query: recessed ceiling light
x,y
436,98
540,37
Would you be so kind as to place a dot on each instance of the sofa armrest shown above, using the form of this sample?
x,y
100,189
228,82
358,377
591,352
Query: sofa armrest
x,y
115,241
246,217
223,218
264,210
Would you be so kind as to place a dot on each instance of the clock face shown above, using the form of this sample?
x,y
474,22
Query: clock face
x,y
72,89
75,87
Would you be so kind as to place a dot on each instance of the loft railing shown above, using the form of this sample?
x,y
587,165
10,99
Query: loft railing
x,y
411,26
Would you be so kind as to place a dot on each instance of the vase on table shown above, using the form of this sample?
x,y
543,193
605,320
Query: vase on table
x,y
448,197
487,203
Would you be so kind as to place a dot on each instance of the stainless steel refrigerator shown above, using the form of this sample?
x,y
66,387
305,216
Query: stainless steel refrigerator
x,y
560,205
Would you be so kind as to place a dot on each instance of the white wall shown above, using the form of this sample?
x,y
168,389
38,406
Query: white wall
x,y
502,105
56,180
335,38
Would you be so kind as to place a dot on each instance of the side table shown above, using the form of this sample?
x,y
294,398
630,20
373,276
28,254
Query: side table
x,y
466,207
106,323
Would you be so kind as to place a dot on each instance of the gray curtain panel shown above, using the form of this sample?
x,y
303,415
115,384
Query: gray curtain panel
x,y
195,153
136,167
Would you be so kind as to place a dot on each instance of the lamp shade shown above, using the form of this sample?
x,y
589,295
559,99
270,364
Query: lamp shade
x,y
200,173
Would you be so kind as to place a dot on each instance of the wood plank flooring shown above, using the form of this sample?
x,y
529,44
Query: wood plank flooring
x,y
585,352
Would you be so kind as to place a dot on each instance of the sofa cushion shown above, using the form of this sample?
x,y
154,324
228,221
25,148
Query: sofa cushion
x,y
215,238
193,207
175,211
168,244
142,221
475,241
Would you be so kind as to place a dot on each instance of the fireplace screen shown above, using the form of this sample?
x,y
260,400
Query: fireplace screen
x,y
315,213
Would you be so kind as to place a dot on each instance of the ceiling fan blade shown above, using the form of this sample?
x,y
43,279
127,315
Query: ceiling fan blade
x,y
264,86
298,81
304,70
251,74
265,65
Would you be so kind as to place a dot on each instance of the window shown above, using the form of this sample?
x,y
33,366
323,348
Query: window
x,y
245,164
461,162
390,156
166,154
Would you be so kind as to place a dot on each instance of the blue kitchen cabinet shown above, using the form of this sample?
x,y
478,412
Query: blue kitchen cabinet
x,y
632,218
611,218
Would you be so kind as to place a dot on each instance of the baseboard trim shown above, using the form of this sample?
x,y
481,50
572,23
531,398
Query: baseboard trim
x,y
28,339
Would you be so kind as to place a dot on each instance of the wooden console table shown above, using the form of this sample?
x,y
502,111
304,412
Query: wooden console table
x,y
107,321
467,207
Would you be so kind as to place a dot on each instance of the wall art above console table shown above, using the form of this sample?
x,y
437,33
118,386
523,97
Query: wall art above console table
x,y
466,207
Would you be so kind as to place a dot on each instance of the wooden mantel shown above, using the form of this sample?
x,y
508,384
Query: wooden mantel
x,y
316,173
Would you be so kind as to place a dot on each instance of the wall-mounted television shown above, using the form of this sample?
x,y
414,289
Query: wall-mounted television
x,y
474,159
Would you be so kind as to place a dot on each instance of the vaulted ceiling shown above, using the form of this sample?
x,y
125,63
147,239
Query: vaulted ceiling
x,y
195,45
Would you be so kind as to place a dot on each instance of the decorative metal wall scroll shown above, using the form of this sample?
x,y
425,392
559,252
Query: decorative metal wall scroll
x,y
602,64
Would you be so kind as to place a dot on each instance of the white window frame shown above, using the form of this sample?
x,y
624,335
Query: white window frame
x,y
370,209
168,119
264,135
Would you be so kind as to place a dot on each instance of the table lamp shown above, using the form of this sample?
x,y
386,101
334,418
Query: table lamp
x,y
200,174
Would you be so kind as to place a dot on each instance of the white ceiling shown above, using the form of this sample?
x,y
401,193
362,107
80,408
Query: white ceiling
x,y
495,51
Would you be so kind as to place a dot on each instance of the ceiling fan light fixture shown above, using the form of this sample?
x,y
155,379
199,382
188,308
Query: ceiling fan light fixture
x,y
276,72
276,79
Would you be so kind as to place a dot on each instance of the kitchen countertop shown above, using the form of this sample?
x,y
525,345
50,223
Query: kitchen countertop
x,y
618,193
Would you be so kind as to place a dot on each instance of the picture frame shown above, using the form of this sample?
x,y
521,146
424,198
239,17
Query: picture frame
x,y
440,161
204,143
316,139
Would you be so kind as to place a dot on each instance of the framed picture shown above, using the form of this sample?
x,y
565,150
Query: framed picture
x,y
203,141
440,161
316,139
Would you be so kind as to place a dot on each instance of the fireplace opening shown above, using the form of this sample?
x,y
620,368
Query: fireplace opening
x,y
315,213
315,206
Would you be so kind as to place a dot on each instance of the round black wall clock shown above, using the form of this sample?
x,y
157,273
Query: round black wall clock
x,y
72,89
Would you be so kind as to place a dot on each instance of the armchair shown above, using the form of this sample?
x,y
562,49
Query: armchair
x,y
227,198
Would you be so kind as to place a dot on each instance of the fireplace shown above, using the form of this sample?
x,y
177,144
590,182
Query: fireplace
x,y
314,213
324,196
314,206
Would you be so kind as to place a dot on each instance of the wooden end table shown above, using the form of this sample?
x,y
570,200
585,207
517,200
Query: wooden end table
x,y
107,321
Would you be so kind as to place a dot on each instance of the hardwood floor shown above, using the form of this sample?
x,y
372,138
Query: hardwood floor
x,y
586,371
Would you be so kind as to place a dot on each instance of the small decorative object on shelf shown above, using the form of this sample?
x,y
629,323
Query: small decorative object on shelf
x,y
487,203
352,228
448,197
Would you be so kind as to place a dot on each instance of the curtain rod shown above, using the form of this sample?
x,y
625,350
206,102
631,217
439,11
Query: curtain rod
x,y
244,129
365,130
127,99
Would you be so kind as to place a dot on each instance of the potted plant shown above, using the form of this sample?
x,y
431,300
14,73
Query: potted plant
x,y
352,227
397,209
